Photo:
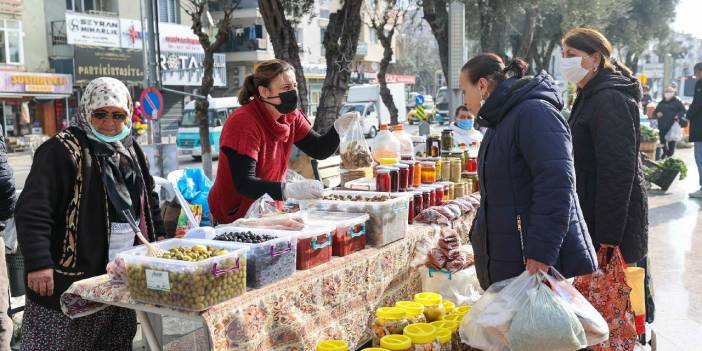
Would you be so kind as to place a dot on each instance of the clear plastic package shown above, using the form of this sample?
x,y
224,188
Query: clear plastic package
x,y
186,285
350,233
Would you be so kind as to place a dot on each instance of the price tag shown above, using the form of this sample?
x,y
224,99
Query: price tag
x,y
157,280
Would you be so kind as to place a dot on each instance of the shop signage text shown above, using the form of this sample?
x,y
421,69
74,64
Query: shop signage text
x,y
20,82
124,64
185,68
82,29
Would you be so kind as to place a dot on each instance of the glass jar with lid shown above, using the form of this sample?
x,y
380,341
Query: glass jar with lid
x,y
428,172
423,336
382,180
414,310
445,169
388,321
433,306
403,177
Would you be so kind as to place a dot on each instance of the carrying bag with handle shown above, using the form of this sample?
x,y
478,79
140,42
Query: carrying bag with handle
x,y
609,293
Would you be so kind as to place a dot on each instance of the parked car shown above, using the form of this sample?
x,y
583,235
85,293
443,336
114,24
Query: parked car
x,y
365,99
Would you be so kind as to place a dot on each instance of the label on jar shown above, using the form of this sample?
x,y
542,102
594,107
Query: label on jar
x,y
157,280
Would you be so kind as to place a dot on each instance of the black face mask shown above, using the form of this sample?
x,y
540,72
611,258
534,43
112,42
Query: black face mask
x,y
288,101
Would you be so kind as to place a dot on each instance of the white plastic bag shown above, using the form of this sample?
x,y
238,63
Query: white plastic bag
x,y
489,324
461,288
675,133
353,148
264,206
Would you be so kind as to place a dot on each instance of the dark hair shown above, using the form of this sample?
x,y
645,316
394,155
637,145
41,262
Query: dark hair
x,y
263,74
592,41
491,67
698,66
461,108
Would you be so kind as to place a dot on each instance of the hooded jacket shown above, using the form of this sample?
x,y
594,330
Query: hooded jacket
x,y
671,109
529,206
606,140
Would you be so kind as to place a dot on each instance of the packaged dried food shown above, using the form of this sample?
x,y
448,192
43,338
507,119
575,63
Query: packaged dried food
x,y
414,311
444,337
268,261
454,209
423,337
388,321
355,154
445,211
333,345
388,212
433,308
431,216
187,285
350,233
396,343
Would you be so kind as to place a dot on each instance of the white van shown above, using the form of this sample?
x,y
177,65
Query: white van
x,y
188,137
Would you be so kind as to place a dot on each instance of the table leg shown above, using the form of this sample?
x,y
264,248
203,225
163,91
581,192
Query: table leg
x,y
151,338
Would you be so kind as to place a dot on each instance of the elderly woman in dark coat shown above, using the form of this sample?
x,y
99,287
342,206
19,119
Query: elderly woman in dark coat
x,y
70,221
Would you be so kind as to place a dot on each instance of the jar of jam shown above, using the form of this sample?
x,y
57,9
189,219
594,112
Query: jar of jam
x,y
382,180
432,195
428,172
448,194
439,191
394,179
417,174
472,165
418,202
426,198
410,210
411,165
404,176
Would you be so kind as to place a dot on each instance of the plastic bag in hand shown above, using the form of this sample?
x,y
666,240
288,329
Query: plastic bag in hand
x,y
264,206
353,148
195,186
545,322
461,287
488,325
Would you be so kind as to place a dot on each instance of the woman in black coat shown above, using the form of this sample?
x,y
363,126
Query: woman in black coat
x,y
669,111
605,127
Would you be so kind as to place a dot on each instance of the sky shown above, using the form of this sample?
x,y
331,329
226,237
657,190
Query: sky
x,y
688,16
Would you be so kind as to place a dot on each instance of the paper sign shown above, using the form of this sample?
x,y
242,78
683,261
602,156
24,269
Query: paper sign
x,y
157,280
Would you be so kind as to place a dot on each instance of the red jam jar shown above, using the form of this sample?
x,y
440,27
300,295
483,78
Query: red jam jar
x,y
410,210
394,179
410,176
383,183
472,165
418,206
404,176
439,189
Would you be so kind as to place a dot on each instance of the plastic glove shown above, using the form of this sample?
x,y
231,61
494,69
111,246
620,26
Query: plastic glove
x,y
343,123
307,189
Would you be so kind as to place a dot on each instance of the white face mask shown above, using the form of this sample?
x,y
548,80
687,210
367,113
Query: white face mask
x,y
668,96
572,70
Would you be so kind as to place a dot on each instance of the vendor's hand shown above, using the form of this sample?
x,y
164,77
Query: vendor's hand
x,y
41,281
533,266
307,189
343,123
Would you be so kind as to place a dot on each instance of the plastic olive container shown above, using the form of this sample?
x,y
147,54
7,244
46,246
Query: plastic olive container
x,y
452,326
186,285
462,309
454,317
444,336
269,261
388,321
433,308
423,336
350,233
333,345
396,343
449,306
414,311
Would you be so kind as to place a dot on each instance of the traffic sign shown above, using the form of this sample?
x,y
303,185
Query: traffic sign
x,y
419,100
151,102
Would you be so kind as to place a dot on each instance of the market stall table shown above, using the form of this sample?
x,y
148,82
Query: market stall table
x,y
332,301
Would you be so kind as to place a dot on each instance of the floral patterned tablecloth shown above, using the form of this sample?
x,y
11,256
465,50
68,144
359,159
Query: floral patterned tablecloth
x,y
333,301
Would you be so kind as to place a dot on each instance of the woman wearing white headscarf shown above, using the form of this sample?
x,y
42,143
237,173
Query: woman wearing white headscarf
x,y
72,219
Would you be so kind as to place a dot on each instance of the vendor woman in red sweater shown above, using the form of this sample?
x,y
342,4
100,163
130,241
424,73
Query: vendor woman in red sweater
x,y
257,140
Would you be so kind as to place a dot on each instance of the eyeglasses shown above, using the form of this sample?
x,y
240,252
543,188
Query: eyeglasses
x,y
117,116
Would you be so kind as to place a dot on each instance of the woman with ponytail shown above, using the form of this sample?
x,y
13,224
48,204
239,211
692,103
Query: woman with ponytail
x,y
257,140
605,126
529,218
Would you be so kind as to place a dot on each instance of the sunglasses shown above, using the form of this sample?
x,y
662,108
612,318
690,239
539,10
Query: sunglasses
x,y
117,116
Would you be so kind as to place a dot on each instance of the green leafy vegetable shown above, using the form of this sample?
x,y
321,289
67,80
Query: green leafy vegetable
x,y
648,134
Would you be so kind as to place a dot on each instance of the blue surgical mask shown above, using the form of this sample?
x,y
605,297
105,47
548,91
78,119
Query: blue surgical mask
x,y
465,124
111,139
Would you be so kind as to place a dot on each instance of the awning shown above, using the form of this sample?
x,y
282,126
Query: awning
x,y
46,96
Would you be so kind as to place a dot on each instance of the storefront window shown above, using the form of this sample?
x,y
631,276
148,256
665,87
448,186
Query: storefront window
x,y
10,42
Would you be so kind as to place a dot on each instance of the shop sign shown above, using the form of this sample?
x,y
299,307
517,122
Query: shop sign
x,y
178,38
313,71
126,65
12,7
398,78
130,33
83,29
185,68
23,82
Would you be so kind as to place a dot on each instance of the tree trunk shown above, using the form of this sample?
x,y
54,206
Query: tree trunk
x,y
492,26
436,14
386,41
527,35
632,60
201,108
282,36
340,42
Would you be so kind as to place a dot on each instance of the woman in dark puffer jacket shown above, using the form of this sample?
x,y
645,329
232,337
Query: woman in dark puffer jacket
x,y
529,216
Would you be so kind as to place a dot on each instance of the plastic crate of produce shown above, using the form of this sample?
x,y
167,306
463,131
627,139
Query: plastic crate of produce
x,y
388,218
269,261
314,245
350,233
186,285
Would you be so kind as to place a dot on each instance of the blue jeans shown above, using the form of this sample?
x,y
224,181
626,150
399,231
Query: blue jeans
x,y
698,159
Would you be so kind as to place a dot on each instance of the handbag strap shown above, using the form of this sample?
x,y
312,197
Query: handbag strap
x,y
609,255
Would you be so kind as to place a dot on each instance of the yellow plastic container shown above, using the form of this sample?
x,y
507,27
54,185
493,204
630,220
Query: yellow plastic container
x,y
396,343
388,321
462,310
414,311
450,325
433,307
333,345
374,349
421,333
448,306
444,336
458,318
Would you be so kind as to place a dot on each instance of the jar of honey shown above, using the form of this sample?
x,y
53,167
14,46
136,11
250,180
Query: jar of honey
x,y
428,172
